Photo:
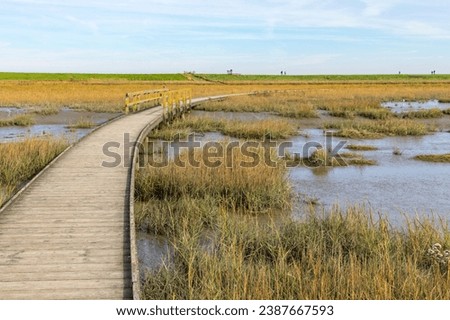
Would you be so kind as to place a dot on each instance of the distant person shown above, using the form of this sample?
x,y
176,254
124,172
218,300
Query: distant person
x,y
285,73
281,72
399,72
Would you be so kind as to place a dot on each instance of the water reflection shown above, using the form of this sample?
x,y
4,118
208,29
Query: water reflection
x,y
405,106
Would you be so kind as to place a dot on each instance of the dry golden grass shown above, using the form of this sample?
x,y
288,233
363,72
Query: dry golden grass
x,y
273,128
22,120
109,95
365,129
232,181
422,114
360,147
20,161
288,104
83,123
343,254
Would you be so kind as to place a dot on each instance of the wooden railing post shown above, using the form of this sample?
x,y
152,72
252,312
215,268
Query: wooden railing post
x,y
174,103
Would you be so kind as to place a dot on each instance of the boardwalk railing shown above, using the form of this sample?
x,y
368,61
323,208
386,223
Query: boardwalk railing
x,y
174,102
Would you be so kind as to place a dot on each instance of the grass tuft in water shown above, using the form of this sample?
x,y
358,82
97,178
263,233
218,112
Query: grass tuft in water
x,y
22,120
434,157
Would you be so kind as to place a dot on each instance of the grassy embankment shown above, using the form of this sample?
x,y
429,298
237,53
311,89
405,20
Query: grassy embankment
x,y
20,161
222,250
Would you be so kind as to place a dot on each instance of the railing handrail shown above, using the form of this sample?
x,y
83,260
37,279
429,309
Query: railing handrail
x,y
164,97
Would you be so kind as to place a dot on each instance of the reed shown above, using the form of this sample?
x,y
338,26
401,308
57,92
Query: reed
x,y
338,254
422,114
361,147
377,128
83,123
235,179
434,157
20,161
274,128
21,120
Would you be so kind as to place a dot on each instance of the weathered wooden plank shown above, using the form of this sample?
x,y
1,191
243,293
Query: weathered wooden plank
x,y
60,294
67,235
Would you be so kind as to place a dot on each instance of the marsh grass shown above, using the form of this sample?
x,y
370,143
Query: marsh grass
x,y
287,104
422,114
434,157
322,158
20,161
21,120
46,110
107,94
274,128
83,123
377,128
375,113
231,181
360,147
341,254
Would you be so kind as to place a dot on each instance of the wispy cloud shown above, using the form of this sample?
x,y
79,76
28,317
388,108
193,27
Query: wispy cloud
x,y
215,34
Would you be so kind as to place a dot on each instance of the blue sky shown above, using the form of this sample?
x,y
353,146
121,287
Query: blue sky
x,y
251,37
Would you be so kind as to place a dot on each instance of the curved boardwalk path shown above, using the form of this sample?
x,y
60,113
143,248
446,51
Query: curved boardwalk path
x,y
67,236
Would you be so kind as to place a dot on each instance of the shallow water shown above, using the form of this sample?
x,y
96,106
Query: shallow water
x,y
398,185
54,125
153,252
405,106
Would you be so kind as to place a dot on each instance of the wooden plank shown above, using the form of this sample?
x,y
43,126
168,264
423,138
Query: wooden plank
x,y
85,294
67,235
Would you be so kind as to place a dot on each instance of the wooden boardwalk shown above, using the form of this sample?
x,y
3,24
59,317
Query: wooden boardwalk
x,y
67,236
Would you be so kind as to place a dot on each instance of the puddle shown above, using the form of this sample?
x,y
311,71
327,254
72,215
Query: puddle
x,y
397,186
405,106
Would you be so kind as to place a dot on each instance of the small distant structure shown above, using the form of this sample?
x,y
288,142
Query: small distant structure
x,y
231,73
283,72
399,72
433,72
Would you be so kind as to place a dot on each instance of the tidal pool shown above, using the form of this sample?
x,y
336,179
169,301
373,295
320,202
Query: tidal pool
x,y
57,125
405,106
398,185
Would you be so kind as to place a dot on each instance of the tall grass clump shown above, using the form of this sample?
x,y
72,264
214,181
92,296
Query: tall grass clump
x,y
83,123
232,179
434,157
422,114
21,120
20,161
360,147
287,104
340,254
378,128
274,128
